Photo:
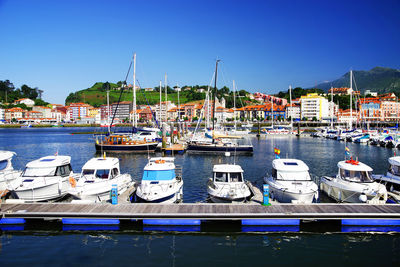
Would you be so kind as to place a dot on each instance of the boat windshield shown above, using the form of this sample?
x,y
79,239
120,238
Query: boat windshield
x,y
395,170
3,164
87,172
103,174
294,176
224,177
36,172
356,176
158,175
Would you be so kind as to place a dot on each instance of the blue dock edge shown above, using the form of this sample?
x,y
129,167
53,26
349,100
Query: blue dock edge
x,y
12,221
175,222
371,222
270,222
85,221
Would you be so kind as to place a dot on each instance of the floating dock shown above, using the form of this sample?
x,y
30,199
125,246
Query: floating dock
x,y
198,216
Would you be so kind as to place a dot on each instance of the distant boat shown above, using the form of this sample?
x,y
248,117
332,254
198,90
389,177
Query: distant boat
x,y
7,173
27,125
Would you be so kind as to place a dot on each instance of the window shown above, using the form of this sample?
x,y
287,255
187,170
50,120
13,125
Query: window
x,y
36,172
274,173
103,174
114,172
356,176
236,176
221,177
3,164
87,172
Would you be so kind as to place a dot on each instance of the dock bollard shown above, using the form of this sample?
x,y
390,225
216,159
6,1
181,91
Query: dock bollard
x,y
266,195
114,194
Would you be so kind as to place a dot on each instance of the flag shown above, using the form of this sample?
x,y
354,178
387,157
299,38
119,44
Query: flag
x,y
56,154
347,149
277,151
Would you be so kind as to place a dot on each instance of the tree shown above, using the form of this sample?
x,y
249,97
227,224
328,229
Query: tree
x,y
40,102
314,119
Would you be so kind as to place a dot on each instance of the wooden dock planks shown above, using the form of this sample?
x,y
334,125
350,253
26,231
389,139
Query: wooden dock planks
x,y
199,211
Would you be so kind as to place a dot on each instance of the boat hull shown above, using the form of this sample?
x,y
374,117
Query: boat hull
x,y
212,148
283,196
148,147
50,191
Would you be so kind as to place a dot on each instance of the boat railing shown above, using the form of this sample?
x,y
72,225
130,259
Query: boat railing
x,y
178,171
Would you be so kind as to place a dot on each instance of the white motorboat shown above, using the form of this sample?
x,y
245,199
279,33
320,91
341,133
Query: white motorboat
x,y
392,178
353,184
97,178
228,185
7,173
44,179
290,182
161,182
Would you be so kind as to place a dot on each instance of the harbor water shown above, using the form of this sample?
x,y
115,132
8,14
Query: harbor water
x,y
53,244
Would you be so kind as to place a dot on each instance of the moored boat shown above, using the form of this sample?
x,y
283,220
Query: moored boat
x,y
353,184
161,182
228,185
124,143
290,182
97,178
7,173
44,179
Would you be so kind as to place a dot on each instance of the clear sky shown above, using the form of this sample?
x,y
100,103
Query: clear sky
x,y
65,46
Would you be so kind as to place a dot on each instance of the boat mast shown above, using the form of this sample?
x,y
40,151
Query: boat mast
x,y
332,106
234,103
272,110
291,108
134,91
215,94
108,110
351,99
165,86
179,103
160,117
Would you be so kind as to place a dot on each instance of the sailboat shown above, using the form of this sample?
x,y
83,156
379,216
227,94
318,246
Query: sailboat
x,y
217,144
121,142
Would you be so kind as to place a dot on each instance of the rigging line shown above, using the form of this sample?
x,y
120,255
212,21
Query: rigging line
x,y
120,95
148,104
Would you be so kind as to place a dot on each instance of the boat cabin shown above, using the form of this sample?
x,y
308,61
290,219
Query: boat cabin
x,y
48,166
290,170
159,169
354,171
101,168
5,160
394,166
227,173
121,140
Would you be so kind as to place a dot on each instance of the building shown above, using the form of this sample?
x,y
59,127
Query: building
x,y
314,106
33,115
28,102
46,111
347,116
224,114
293,111
340,91
368,92
390,111
370,108
78,110
14,113
2,114
122,110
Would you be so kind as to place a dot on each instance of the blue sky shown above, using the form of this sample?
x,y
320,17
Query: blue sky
x,y
65,46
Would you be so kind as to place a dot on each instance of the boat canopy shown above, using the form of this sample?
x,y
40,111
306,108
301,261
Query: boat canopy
x,y
101,163
227,168
158,175
5,155
160,164
289,165
49,161
354,166
394,161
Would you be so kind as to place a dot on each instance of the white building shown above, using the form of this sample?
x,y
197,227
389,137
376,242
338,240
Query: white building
x,y
293,111
46,111
28,102
165,106
314,106
2,114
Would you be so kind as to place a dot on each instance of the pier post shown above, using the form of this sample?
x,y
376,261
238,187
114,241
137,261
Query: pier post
x,y
258,130
172,133
179,126
164,137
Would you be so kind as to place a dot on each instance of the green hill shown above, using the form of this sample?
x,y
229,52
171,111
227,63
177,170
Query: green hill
x,y
378,79
97,95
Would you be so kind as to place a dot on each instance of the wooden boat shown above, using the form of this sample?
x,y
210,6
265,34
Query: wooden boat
x,y
124,143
